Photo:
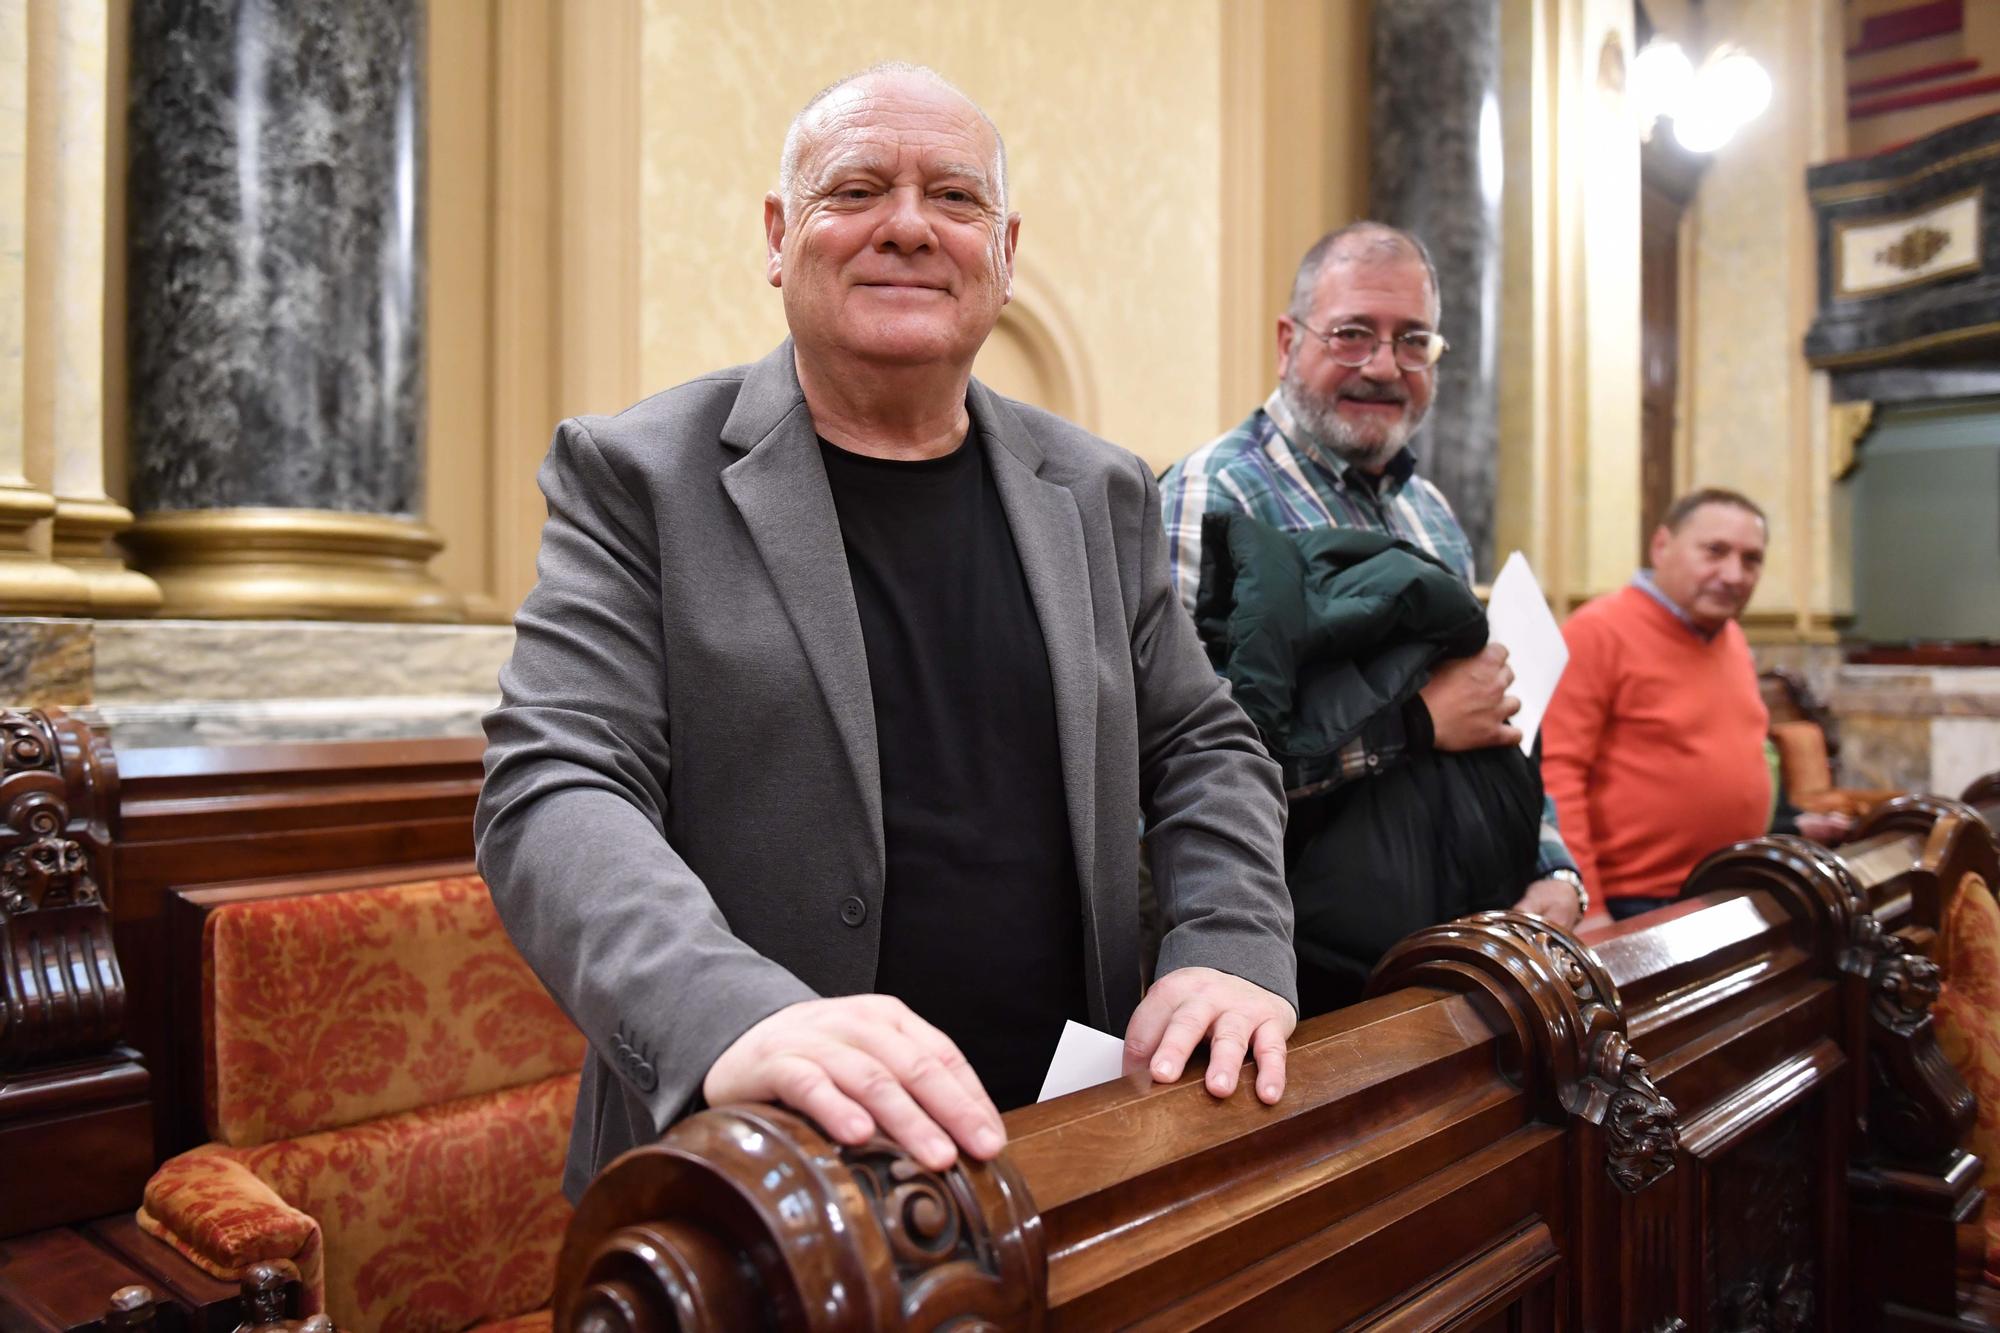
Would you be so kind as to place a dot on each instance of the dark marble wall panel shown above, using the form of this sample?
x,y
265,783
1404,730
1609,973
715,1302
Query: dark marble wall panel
x,y
276,256
1434,171
1951,317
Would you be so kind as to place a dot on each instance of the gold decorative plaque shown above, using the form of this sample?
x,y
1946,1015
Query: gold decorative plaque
x,y
1876,256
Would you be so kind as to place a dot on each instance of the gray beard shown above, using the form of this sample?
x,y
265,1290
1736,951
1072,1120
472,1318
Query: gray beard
x,y
1327,432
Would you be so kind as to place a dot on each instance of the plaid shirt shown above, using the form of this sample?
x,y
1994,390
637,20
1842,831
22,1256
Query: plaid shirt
x,y
1262,469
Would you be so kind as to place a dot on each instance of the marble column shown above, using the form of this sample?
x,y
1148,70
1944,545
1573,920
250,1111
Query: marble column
x,y
1435,169
276,308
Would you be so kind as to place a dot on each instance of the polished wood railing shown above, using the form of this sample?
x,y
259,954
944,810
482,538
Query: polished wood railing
x,y
1692,1122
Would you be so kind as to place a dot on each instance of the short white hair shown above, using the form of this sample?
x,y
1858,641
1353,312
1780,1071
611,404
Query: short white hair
x,y
788,163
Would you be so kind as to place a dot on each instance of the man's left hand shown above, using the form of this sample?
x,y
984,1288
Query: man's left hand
x,y
1552,900
1235,1016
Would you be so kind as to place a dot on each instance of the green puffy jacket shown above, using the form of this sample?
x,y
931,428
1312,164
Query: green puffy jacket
x,y
1317,632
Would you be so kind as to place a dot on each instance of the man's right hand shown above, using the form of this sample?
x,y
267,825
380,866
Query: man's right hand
x,y
1469,704
858,1062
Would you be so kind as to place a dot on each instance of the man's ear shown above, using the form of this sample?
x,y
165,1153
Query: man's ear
x,y
1661,536
774,239
1009,239
1288,334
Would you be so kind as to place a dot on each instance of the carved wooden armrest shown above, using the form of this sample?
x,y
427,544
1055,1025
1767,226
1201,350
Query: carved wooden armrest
x,y
217,1212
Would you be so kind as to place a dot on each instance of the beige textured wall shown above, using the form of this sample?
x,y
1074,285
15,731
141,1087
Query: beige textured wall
x,y
1757,414
1111,111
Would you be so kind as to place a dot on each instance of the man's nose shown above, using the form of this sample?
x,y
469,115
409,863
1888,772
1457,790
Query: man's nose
x,y
1381,363
905,227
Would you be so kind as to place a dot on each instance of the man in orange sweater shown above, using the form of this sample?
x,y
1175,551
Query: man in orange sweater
x,y
1653,746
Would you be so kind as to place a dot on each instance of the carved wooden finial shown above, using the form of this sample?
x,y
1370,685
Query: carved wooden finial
x,y
1568,1012
58,783
907,1247
131,1309
264,1291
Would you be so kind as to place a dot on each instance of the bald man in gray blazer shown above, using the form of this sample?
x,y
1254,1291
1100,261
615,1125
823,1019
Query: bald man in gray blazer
x,y
697,818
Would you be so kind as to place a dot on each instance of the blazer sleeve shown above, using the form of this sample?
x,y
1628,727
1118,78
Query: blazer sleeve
x,y
1213,800
571,822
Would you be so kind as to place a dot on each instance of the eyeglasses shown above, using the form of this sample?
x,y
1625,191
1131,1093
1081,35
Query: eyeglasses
x,y
1353,346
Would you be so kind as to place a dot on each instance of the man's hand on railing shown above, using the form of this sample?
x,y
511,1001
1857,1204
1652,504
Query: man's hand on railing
x,y
859,1062
1235,1016
1552,900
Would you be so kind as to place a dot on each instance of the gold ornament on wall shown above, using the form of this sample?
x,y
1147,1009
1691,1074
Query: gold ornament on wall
x,y
1914,248
1846,423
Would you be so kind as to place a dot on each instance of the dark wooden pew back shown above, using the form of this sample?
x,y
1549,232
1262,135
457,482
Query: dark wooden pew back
x,y
1515,1131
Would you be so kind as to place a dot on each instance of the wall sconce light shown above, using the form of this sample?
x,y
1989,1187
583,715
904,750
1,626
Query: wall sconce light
x,y
1707,105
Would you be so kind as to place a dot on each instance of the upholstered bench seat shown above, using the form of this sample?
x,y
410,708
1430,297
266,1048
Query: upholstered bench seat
x,y
1968,1032
390,1093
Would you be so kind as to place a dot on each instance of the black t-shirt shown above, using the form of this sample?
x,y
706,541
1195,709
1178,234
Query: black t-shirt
x,y
982,927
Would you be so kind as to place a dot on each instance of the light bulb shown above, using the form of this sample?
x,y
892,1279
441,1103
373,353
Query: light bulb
x,y
1659,81
1736,80
1703,125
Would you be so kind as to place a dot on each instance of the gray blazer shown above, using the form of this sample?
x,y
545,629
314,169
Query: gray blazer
x,y
682,816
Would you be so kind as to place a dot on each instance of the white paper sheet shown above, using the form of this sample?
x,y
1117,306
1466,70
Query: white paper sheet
x,y
1518,618
1084,1058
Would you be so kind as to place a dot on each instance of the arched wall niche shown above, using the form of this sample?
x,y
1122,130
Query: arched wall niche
x,y
1034,354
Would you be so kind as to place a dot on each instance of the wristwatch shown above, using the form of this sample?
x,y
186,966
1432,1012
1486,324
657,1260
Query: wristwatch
x,y
1575,881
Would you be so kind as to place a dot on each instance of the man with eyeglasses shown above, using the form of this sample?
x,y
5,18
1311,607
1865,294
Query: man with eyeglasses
x,y
1357,354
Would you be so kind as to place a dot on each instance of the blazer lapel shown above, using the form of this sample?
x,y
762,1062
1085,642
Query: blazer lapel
x,y
780,488
1048,535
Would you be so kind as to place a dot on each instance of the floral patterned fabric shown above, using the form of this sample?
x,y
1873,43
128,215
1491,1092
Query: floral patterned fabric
x,y
215,1210
425,1222
1968,1030
391,1091
332,1008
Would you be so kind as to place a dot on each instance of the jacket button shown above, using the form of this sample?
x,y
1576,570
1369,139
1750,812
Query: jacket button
x,y
853,911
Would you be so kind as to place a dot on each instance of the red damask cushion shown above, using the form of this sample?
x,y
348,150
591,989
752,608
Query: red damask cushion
x,y
215,1210
1968,1030
332,1008
431,1221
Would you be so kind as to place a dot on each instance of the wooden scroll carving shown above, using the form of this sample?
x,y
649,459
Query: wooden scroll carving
x,y
74,1115
836,1238
1909,1185
1919,1109
1984,791
63,993
1567,1013
1914,1107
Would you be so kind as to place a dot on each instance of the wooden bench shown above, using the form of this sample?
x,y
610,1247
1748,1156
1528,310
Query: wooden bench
x,y
1514,1131
1513,1128
100,1063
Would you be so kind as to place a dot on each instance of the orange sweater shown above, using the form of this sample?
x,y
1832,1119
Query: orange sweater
x,y
1653,746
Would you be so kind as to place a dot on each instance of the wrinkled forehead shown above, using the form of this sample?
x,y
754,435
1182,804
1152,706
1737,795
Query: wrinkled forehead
x,y
1394,287
1720,521
885,118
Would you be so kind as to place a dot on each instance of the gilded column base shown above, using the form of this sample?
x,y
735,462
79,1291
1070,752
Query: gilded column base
x,y
292,564
30,583
82,528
